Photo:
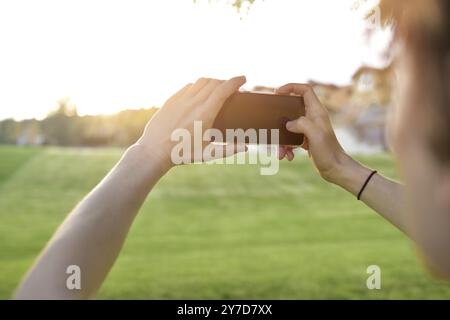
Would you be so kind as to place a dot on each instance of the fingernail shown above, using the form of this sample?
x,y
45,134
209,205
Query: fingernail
x,y
289,125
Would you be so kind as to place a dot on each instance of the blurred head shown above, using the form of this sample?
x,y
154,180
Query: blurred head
x,y
421,128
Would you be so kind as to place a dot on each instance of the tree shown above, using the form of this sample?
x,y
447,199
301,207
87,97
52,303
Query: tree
x,y
9,130
59,125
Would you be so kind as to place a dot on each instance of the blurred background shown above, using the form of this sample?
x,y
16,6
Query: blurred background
x,y
92,73
80,79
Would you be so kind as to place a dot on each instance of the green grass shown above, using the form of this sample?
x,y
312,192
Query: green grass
x,y
215,231
12,158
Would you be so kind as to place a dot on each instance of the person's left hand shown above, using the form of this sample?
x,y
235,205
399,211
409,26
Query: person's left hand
x,y
194,102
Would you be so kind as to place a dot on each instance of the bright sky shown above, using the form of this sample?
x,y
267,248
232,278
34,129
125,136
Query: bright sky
x,y
108,55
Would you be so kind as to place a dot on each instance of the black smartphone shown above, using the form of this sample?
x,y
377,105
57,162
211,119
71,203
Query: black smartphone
x,y
251,110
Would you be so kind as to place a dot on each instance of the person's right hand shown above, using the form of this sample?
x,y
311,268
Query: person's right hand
x,y
320,141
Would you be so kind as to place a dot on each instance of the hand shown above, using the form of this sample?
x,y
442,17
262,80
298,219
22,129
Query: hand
x,y
195,102
320,140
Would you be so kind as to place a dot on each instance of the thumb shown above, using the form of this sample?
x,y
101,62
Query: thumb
x,y
301,125
225,151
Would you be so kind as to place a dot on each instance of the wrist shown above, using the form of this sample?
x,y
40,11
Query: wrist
x,y
337,172
349,174
150,158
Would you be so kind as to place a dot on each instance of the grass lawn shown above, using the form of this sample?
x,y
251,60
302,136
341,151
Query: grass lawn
x,y
215,231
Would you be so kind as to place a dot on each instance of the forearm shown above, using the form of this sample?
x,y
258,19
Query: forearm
x,y
381,194
387,197
93,234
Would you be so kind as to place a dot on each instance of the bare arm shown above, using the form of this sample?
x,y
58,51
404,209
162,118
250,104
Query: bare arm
x,y
334,165
427,227
383,195
92,235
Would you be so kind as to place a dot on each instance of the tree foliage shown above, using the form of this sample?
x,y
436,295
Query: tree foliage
x,y
64,127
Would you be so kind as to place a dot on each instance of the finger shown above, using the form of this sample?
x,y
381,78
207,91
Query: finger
x,y
225,90
305,144
179,93
302,125
198,85
290,155
281,152
226,151
232,149
312,103
204,93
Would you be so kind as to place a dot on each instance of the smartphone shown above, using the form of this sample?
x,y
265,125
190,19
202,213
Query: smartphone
x,y
251,110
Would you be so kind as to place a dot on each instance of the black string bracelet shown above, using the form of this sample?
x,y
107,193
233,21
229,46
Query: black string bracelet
x,y
365,184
